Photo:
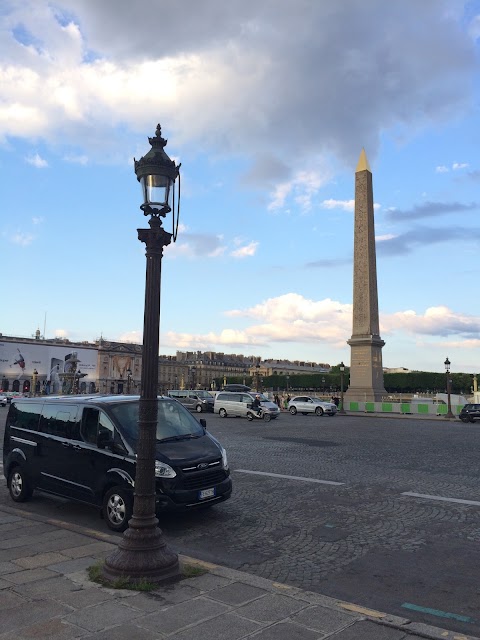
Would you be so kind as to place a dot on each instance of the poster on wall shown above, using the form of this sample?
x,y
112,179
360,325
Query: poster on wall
x,y
18,361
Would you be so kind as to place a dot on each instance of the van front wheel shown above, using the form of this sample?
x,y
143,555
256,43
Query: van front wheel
x,y
198,408
18,485
117,508
223,413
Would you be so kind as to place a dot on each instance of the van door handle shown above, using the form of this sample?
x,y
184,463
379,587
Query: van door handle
x,y
77,447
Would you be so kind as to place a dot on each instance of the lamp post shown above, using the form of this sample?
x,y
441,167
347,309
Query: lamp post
x,y
34,382
193,372
323,386
257,376
288,379
142,553
342,372
449,403
129,380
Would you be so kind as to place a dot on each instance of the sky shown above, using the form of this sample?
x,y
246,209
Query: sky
x,y
267,106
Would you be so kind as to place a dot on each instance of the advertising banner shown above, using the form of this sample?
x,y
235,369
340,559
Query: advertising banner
x,y
18,360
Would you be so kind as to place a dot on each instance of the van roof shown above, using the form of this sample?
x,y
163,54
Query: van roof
x,y
97,397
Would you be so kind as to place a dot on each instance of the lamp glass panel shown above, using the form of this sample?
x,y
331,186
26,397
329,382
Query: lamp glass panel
x,y
156,190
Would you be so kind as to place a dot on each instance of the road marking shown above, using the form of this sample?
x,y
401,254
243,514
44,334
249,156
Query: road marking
x,y
437,612
279,475
442,499
357,609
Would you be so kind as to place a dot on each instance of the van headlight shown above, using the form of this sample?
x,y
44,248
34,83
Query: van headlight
x,y
163,470
224,459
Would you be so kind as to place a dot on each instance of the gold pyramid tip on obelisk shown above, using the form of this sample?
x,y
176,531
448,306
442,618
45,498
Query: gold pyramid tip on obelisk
x,y
363,163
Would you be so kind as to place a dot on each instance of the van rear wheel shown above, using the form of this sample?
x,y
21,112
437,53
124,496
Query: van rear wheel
x,y
19,485
117,508
222,413
198,408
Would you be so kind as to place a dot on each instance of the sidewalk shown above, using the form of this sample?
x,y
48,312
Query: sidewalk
x,y
45,593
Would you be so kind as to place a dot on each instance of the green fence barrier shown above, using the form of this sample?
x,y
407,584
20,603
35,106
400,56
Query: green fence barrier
x,y
422,408
442,409
370,407
387,407
353,406
405,407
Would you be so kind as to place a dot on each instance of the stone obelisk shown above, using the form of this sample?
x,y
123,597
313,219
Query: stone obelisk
x,y
366,369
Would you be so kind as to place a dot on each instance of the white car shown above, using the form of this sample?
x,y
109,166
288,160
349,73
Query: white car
x,y
3,400
310,404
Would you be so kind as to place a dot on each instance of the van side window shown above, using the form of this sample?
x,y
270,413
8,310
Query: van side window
x,y
89,426
57,420
25,415
106,430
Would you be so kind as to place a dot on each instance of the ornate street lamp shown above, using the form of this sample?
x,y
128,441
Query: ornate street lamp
x,y
342,372
447,364
323,386
288,379
129,380
193,372
142,553
34,382
257,372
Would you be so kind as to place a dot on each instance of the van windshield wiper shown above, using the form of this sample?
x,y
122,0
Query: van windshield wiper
x,y
185,436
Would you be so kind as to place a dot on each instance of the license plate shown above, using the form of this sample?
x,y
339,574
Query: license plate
x,y
206,493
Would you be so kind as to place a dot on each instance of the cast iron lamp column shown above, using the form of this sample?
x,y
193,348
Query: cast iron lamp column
x,y
34,383
449,403
142,553
129,380
342,372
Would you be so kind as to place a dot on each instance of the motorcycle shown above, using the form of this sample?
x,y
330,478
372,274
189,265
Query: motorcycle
x,y
261,415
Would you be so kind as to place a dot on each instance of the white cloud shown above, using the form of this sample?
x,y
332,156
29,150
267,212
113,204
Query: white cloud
x,y
441,169
435,321
459,165
22,239
246,251
38,220
37,161
134,336
346,205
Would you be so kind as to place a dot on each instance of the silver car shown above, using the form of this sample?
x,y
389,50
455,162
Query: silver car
x,y
310,404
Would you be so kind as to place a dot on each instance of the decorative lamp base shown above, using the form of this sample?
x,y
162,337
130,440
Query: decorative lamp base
x,y
142,555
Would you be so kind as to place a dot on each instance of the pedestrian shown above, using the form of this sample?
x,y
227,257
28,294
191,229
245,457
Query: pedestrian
x,y
276,399
285,402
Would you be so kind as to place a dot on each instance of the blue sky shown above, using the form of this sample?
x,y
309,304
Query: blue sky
x,y
267,105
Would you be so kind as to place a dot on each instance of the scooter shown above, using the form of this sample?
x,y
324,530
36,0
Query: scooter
x,y
261,415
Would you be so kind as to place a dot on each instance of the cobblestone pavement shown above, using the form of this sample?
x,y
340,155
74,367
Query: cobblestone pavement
x,y
45,593
362,540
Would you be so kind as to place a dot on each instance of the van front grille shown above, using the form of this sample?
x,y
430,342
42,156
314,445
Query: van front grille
x,y
203,480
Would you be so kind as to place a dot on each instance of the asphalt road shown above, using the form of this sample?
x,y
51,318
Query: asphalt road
x,y
326,504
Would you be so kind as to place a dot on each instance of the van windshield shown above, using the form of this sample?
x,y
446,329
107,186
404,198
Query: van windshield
x,y
203,394
173,420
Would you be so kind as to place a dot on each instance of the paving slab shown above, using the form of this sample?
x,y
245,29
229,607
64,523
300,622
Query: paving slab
x,y
102,616
271,608
177,617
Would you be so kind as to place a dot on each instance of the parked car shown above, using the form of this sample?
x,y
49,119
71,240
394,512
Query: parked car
x,y
470,413
88,448
194,399
232,403
310,404
3,401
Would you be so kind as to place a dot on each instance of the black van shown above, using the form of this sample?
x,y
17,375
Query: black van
x,y
83,448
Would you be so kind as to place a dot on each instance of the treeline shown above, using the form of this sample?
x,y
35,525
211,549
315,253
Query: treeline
x,y
327,383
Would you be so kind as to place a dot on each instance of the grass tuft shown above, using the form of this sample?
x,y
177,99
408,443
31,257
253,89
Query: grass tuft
x,y
95,573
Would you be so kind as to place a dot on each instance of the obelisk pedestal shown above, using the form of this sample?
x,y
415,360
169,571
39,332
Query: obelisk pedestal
x,y
366,369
